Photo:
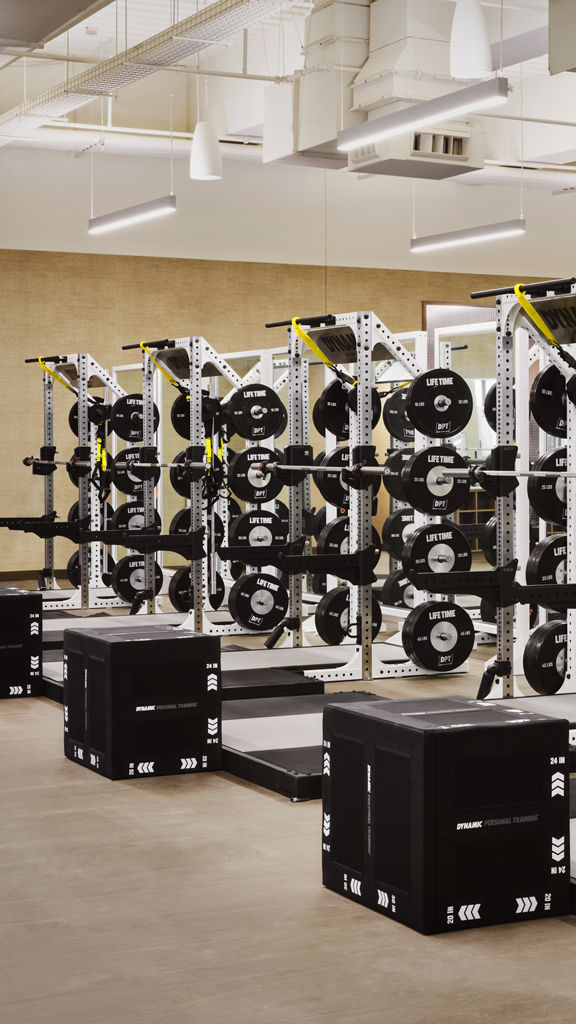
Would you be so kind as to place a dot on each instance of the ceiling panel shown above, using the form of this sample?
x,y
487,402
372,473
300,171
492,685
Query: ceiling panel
x,y
31,21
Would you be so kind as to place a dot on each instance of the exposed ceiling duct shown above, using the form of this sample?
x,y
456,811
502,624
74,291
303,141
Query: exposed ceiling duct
x,y
215,23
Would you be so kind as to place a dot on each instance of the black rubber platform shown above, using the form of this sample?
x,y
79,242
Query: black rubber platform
x,y
277,743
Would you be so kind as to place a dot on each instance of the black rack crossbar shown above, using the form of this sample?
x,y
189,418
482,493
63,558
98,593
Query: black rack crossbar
x,y
165,343
537,288
327,320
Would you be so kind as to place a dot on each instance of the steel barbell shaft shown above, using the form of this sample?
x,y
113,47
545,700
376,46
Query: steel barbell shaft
x,y
448,471
29,461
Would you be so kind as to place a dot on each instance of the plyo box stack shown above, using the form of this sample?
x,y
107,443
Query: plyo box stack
x,y
20,642
447,813
142,701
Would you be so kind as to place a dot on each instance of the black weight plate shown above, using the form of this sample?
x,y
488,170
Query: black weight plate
x,y
331,486
250,484
180,594
256,412
547,494
318,582
333,410
123,478
182,523
488,541
127,418
332,616
128,577
73,513
437,547
438,635
439,403
394,415
180,415
258,601
547,561
237,569
73,419
317,419
352,403
548,401
73,567
419,480
334,537
233,508
397,591
392,469
181,479
396,530
257,530
490,406
281,511
545,657
130,516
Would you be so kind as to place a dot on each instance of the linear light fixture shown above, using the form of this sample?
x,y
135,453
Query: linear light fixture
x,y
475,97
468,236
132,215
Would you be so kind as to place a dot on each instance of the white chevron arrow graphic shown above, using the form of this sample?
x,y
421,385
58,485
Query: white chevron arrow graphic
x,y
326,768
212,682
383,898
34,628
557,783
145,767
326,825
212,726
356,887
558,848
526,904
470,912
15,690
34,661
188,762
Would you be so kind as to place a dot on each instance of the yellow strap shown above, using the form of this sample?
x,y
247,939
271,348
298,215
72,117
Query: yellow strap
x,y
313,346
56,377
209,449
101,453
163,371
533,314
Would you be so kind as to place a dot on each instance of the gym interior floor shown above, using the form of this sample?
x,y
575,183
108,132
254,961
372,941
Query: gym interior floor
x,y
199,899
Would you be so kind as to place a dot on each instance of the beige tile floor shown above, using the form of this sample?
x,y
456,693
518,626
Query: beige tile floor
x,y
198,900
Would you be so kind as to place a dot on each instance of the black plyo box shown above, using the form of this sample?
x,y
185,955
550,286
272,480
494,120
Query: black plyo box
x,y
446,813
20,642
142,702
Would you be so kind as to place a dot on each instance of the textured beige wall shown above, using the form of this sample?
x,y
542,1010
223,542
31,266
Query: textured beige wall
x,y
66,302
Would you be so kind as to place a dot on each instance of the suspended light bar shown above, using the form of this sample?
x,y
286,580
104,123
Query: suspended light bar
x,y
132,215
475,97
468,236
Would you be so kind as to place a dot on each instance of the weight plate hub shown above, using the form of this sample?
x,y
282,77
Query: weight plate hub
x,y
425,486
547,561
122,476
392,469
180,592
395,419
548,401
396,530
332,616
438,635
130,516
547,494
256,412
182,523
397,591
545,657
248,482
258,601
439,403
127,419
334,538
437,548
257,530
128,577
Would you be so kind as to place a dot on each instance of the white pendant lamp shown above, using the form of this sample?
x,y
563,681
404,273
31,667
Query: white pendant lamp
x,y
470,54
205,156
